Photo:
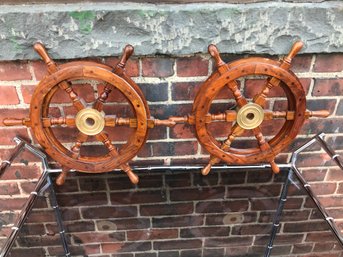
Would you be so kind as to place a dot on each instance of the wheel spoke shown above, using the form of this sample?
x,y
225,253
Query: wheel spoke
x,y
235,131
81,138
265,147
113,151
78,102
99,102
49,122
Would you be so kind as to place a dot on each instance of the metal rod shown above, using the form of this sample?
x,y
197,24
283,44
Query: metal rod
x,y
58,216
329,220
23,215
15,152
278,214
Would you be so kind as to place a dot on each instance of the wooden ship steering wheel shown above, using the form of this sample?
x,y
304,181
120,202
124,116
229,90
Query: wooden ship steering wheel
x,y
91,120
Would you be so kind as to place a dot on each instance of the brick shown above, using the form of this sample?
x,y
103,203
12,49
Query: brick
x,y
293,215
92,184
321,104
169,149
39,69
191,253
301,63
212,179
230,218
27,92
145,254
237,251
281,239
327,201
150,181
155,92
151,196
328,63
178,180
168,254
131,67
38,241
125,247
185,90
182,131
27,252
32,229
14,71
157,67
278,250
228,241
177,244
233,177
323,247
204,232
74,226
327,87
255,86
8,95
308,226
7,135
123,224
9,188
259,176
213,252
334,174
340,108
83,199
197,194
184,221
251,229
12,204
191,66
222,206
8,218
324,188
115,96
166,209
302,248
83,250
256,192
152,234
101,212
92,237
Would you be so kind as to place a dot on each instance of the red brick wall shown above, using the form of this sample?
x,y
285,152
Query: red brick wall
x,y
179,213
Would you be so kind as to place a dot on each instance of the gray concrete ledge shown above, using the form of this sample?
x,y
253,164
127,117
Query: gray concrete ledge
x,y
74,30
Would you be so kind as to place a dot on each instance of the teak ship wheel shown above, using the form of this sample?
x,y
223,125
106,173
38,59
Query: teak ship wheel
x,y
250,115
91,121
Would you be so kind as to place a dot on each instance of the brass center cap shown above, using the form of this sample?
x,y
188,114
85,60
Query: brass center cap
x,y
90,121
250,116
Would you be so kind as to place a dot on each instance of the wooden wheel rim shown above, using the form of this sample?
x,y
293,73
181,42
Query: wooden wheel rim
x,y
40,103
250,66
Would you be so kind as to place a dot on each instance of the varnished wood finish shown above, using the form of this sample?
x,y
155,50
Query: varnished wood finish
x,y
226,75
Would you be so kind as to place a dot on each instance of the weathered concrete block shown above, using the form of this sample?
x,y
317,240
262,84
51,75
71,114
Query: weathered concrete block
x,y
72,31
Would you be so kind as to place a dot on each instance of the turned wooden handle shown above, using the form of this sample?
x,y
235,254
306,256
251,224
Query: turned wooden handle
x,y
318,114
206,169
132,176
274,167
168,123
40,49
15,122
297,46
62,177
127,52
213,50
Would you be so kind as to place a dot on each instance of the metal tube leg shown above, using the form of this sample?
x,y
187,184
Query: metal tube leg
x,y
279,210
23,215
329,220
54,204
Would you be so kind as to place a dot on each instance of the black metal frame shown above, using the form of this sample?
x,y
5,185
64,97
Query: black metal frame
x,y
44,183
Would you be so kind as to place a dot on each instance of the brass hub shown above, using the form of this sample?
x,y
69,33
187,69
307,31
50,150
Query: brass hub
x,y
90,121
250,116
